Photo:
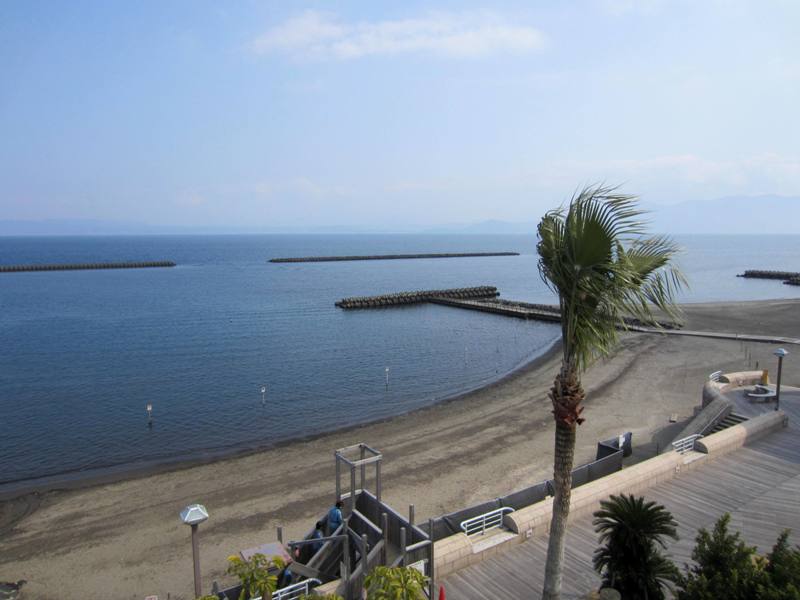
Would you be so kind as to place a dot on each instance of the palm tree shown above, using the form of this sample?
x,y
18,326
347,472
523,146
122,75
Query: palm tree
x,y
594,256
629,559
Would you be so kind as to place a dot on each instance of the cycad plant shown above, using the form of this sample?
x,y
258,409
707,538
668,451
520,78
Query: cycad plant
x,y
594,255
632,534
395,583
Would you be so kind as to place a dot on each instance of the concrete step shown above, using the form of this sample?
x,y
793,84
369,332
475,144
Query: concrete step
x,y
729,421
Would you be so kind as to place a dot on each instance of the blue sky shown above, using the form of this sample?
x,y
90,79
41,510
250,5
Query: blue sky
x,y
379,114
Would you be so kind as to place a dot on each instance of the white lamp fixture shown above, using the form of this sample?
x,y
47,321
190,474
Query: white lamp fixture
x,y
193,515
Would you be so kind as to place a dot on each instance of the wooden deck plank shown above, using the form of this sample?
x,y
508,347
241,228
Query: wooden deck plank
x,y
759,485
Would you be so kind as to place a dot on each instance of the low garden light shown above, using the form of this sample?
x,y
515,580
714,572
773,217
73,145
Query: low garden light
x,y
780,353
193,515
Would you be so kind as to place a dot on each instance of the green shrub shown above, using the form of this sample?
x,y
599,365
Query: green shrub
x,y
728,568
254,575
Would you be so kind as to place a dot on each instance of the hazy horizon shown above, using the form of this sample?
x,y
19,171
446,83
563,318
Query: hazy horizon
x,y
299,117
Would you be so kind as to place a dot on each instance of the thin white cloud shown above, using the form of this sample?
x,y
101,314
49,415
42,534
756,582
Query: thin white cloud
x,y
320,36
623,7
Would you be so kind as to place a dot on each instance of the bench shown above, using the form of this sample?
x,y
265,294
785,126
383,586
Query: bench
x,y
762,392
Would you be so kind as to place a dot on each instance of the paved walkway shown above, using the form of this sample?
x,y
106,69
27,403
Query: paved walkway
x,y
551,314
758,484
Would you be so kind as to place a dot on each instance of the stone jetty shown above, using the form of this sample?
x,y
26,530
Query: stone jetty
x,y
415,297
793,281
388,257
759,274
86,266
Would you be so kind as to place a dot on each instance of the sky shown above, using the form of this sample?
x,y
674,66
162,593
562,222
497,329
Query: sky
x,y
292,114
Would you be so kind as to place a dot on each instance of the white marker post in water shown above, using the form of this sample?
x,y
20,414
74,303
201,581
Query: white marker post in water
x,y
263,395
387,377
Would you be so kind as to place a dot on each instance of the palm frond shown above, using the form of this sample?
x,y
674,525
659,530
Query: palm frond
x,y
594,255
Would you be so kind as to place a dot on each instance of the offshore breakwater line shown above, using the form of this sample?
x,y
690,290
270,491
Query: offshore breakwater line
x,y
388,257
86,266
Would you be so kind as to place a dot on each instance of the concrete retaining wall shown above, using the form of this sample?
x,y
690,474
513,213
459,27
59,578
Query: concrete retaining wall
x,y
737,436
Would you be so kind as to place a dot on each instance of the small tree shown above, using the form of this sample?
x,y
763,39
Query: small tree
x,y
629,560
725,567
254,575
783,570
395,583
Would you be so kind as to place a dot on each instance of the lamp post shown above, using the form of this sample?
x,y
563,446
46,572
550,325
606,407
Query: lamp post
x,y
780,353
193,515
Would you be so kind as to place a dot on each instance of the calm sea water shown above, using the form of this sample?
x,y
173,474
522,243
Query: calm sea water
x,y
83,352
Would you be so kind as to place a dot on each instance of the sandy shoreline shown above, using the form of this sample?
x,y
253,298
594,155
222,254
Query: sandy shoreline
x,y
123,539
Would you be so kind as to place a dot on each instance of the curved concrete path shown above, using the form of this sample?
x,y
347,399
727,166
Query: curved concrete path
x,y
744,337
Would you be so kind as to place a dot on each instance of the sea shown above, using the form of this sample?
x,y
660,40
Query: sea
x,y
83,353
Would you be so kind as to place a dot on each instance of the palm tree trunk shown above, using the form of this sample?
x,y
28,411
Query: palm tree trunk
x,y
566,395
562,478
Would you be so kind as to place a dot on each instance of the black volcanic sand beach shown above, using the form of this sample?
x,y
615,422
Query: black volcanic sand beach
x,y
124,539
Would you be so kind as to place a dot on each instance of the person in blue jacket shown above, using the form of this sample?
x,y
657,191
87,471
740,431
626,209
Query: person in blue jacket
x,y
318,533
335,517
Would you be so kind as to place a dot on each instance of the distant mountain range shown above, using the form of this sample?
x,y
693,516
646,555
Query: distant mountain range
x,y
733,214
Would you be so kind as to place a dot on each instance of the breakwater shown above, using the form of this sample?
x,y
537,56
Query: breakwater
x,y
759,274
388,257
86,266
415,297
793,281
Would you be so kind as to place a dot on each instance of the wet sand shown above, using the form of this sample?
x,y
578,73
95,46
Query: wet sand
x,y
124,539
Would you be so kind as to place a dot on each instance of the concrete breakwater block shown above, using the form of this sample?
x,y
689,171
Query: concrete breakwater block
x,y
416,297
86,266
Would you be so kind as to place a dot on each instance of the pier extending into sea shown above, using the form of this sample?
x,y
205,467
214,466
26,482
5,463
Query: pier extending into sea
x,y
485,299
86,266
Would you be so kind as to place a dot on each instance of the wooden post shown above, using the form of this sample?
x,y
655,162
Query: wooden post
x,y
431,573
385,528
378,481
347,570
363,467
338,477
352,489
403,546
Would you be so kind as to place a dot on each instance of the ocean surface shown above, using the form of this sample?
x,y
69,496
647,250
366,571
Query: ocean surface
x,y
83,352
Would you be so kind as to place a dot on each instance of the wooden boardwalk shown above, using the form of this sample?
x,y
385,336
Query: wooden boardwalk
x,y
759,485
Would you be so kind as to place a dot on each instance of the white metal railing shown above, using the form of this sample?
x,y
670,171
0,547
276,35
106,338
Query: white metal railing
x,y
684,445
715,421
715,376
481,523
296,590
